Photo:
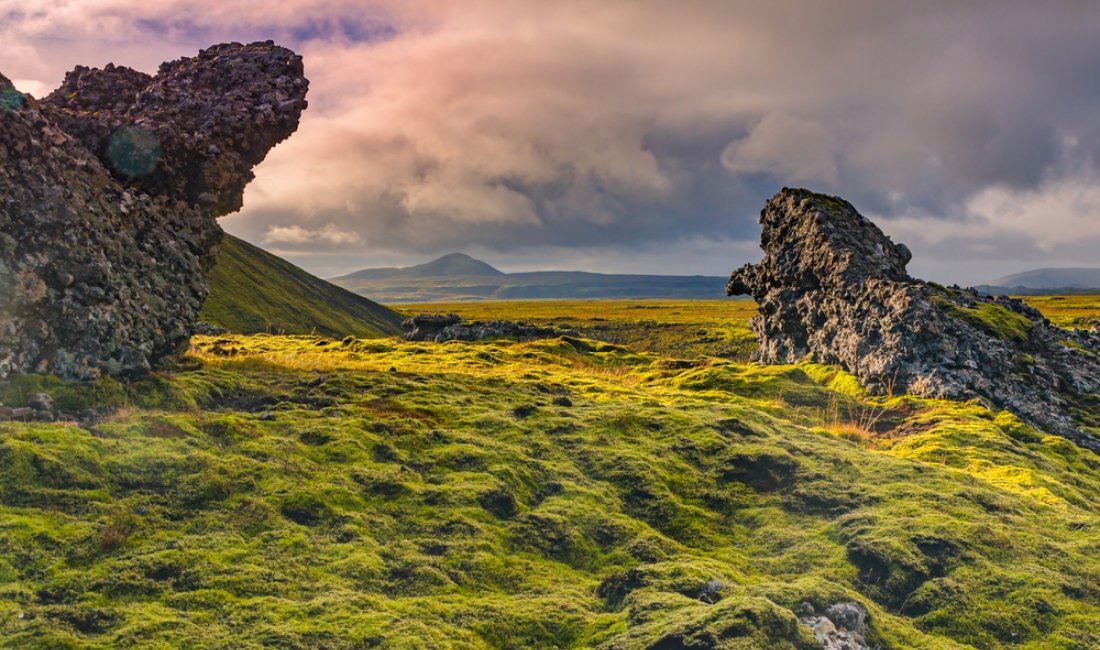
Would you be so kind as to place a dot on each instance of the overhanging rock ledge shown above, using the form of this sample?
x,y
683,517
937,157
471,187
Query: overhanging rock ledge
x,y
110,189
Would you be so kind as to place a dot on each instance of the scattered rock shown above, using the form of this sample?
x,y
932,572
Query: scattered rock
x,y
220,350
450,327
833,287
40,402
524,411
22,413
563,401
712,591
109,192
843,626
848,616
207,329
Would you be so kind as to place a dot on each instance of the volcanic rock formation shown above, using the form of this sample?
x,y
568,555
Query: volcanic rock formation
x,y
109,192
451,327
834,288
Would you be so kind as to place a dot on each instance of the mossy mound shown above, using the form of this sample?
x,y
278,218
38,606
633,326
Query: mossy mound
x,y
303,492
992,319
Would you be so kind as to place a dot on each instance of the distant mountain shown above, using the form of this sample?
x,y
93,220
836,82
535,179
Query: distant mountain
x,y
460,277
1046,281
449,266
252,290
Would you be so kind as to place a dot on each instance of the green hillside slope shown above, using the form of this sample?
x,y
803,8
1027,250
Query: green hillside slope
x,y
311,493
252,290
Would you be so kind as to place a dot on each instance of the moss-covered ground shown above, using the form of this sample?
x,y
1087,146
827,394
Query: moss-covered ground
x,y
677,328
711,327
303,492
1068,311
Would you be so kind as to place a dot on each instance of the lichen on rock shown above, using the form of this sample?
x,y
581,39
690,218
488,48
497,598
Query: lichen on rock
x,y
832,286
110,189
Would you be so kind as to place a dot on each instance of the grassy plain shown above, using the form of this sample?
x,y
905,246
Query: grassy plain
x,y
305,492
676,328
688,327
1068,311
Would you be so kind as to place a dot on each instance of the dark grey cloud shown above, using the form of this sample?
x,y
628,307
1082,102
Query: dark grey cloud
x,y
609,132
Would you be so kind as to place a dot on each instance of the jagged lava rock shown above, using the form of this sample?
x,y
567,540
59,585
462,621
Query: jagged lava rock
x,y
109,193
450,327
832,286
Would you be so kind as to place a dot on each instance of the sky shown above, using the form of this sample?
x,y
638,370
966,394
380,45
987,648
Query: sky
x,y
636,135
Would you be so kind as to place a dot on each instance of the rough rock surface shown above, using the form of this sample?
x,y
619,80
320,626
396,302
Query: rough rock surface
x,y
834,287
842,626
109,192
450,327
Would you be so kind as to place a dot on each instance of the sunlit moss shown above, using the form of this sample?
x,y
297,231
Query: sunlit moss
x,y
991,318
314,493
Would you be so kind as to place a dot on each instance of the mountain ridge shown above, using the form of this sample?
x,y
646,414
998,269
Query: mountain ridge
x,y
451,264
1047,279
473,279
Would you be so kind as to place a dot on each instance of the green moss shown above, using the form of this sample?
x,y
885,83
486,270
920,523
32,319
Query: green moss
x,y
1078,347
302,495
678,329
1081,312
835,379
834,203
990,318
73,397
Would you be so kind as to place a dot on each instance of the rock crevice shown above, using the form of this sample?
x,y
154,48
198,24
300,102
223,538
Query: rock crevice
x,y
110,188
832,286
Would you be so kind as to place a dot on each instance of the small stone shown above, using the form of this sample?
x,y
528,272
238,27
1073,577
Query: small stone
x,y
524,411
823,628
40,402
712,591
848,616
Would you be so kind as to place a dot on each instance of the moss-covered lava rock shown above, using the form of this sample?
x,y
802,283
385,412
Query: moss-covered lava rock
x,y
833,287
109,193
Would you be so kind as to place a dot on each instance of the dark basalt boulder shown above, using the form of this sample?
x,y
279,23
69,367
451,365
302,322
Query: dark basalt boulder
x,y
450,327
833,287
110,189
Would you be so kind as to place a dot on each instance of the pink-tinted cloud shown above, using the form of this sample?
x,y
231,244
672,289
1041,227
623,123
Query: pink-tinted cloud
x,y
611,128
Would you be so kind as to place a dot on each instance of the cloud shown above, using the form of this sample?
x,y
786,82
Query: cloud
x,y
617,128
1057,220
328,234
793,150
